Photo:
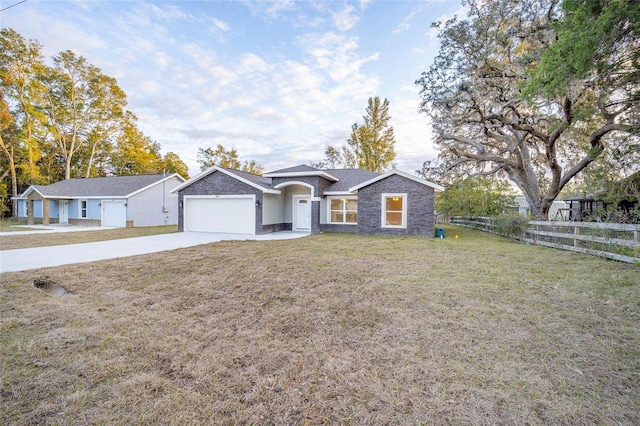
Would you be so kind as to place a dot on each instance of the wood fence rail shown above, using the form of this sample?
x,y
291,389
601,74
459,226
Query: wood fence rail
x,y
618,241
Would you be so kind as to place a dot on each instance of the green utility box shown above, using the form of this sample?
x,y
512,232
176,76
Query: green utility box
x,y
439,232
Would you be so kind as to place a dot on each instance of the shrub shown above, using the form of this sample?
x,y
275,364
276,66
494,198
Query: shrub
x,y
511,225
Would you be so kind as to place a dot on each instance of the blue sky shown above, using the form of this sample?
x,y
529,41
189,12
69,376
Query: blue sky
x,y
277,81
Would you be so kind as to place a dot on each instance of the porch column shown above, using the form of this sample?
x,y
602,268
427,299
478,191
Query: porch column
x,y
315,216
45,211
30,220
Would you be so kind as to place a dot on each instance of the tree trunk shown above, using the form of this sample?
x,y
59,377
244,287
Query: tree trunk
x,y
14,177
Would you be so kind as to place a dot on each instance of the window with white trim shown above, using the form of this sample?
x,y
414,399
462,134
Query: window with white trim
x,y
83,209
394,210
343,211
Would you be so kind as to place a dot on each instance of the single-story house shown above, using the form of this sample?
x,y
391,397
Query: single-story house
x,y
115,201
619,202
307,199
555,211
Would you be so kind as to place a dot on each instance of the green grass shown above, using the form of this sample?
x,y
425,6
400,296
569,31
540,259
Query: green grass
x,y
334,329
10,225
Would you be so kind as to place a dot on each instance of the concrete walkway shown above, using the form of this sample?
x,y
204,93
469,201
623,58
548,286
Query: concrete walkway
x,y
45,229
44,257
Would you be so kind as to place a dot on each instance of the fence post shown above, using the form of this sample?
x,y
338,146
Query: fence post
x,y
576,231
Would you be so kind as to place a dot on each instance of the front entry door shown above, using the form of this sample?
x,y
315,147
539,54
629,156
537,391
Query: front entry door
x,y
63,208
301,214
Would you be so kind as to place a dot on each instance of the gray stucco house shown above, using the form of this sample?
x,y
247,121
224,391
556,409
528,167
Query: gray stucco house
x,y
306,199
115,201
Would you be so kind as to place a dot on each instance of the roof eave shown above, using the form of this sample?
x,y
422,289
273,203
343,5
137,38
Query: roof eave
x,y
320,173
27,191
164,179
338,193
228,173
425,182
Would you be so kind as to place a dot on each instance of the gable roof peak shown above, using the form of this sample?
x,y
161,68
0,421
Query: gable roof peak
x,y
406,175
295,169
262,183
301,171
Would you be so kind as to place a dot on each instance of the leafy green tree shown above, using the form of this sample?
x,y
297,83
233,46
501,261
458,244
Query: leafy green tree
x,y
21,66
174,164
80,100
335,158
66,119
597,40
228,158
484,123
8,145
371,145
134,152
476,196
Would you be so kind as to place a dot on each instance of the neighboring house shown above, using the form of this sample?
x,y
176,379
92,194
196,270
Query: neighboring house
x,y
117,201
307,199
583,208
619,202
555,211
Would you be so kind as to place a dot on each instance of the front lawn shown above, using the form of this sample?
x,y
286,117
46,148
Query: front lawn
x,y
46,238
327,329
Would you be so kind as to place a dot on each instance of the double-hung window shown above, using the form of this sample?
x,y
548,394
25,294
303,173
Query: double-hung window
x,y
83,209
394,210
343,210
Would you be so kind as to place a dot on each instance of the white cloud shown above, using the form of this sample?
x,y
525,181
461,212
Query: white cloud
x,y
252,63
52,34
277,6
404,25
280,103
335,54
220,25
270,9
412,130
345,19
162,12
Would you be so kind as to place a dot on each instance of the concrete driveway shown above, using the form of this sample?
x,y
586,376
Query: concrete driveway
x,y
44,257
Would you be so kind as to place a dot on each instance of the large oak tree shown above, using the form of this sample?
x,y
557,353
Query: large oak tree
x,y
490,116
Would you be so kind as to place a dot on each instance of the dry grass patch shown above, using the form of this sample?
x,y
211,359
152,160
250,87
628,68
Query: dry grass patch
x,y
11,225
48,238
327,329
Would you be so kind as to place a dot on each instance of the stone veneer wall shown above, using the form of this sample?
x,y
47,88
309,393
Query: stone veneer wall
x,y
218,183
319,184
420,207
332,227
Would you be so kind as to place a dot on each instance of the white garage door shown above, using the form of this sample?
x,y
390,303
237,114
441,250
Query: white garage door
x,y
114,214
227,215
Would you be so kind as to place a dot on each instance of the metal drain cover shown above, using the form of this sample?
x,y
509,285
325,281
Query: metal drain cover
x,y
51,288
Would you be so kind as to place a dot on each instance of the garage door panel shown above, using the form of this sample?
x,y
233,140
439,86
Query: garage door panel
x,y
227,215
114,214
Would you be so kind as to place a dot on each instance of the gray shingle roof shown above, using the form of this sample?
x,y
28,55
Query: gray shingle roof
x,y
113,186
349,178
258,180
295,169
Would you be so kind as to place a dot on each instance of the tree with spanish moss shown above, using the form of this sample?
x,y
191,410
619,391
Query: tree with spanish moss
x,y
491,114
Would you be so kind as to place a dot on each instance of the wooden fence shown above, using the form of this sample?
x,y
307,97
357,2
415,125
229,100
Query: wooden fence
x,y
617,241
